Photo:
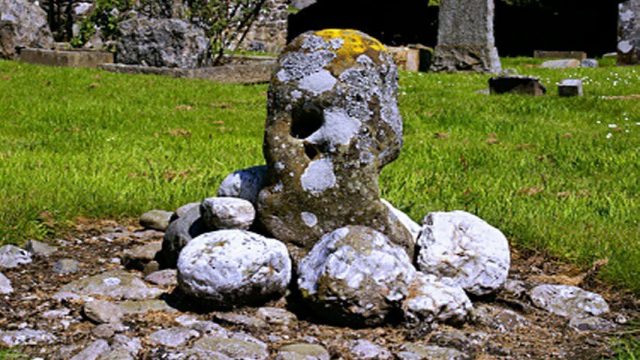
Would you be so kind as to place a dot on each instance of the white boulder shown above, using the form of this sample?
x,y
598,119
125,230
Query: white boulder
x,y
227,213
463,250
431,300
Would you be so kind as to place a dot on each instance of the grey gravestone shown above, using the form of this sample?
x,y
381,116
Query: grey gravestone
x,y
570,87
629,32
524,85
465,37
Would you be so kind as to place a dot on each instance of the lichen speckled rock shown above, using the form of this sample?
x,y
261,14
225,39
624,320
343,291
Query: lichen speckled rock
x,y
234,267
227,213
356,276
568,301
463,250
430,300
333,124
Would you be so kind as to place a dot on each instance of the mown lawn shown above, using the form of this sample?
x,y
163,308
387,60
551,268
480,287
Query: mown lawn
x,y
555,174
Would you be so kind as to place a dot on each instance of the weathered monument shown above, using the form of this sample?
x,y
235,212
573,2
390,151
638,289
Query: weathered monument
x,y
629,33
465,37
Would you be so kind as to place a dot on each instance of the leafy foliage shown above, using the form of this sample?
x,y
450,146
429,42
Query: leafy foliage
x,y
105,17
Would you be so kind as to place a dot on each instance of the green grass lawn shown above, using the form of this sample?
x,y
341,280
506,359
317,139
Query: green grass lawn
x,y
555,174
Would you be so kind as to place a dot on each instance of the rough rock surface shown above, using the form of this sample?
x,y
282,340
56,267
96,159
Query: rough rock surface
x,y
366,350
232,267
224,348
5,285
355,276
244,184
173,337
415,351
12,256
167,277
38,248
25,337
156,219
93,351
568,301
102,312
302,352
629,32
22,24
561,64
499,318
162,43
413,227
276,316
66,266
227,213
592,323
113,284
333,123
179,233
139,256
430,300
465,37
463,250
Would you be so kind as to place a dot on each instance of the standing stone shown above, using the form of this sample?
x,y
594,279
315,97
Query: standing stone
x,y
22,24
570,87
333,124
465,37
629,32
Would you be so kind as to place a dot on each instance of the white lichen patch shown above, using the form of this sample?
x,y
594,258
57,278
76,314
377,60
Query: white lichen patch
x,y
318,176
297,65
309,219
234,266
463,250
432,300
338,129
318,83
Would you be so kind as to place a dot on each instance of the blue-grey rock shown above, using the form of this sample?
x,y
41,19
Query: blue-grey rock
x,y
179,233
589,63
24,24
12,256
244,184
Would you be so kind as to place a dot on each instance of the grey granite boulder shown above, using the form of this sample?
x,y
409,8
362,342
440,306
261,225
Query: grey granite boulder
x,y
302,352
179,233
244,184
162,43
113,284
463,250
12,256
333,123
227,213
22,24
356,276
156,219
568,301
430,300
233,267
5,285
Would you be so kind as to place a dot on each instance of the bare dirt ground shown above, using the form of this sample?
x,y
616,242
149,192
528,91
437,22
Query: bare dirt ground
x,y
541,336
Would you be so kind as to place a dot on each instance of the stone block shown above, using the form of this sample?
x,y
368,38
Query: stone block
x,y
570,87
406,58
543,54
75,58
523,85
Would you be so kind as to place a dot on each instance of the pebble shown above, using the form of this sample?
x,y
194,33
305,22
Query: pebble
x,y
173,337
167,277
37,248
302,352
139,256
5,285
66,266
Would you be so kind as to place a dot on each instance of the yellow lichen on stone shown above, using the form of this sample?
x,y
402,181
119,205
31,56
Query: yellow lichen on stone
x,y
354,42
